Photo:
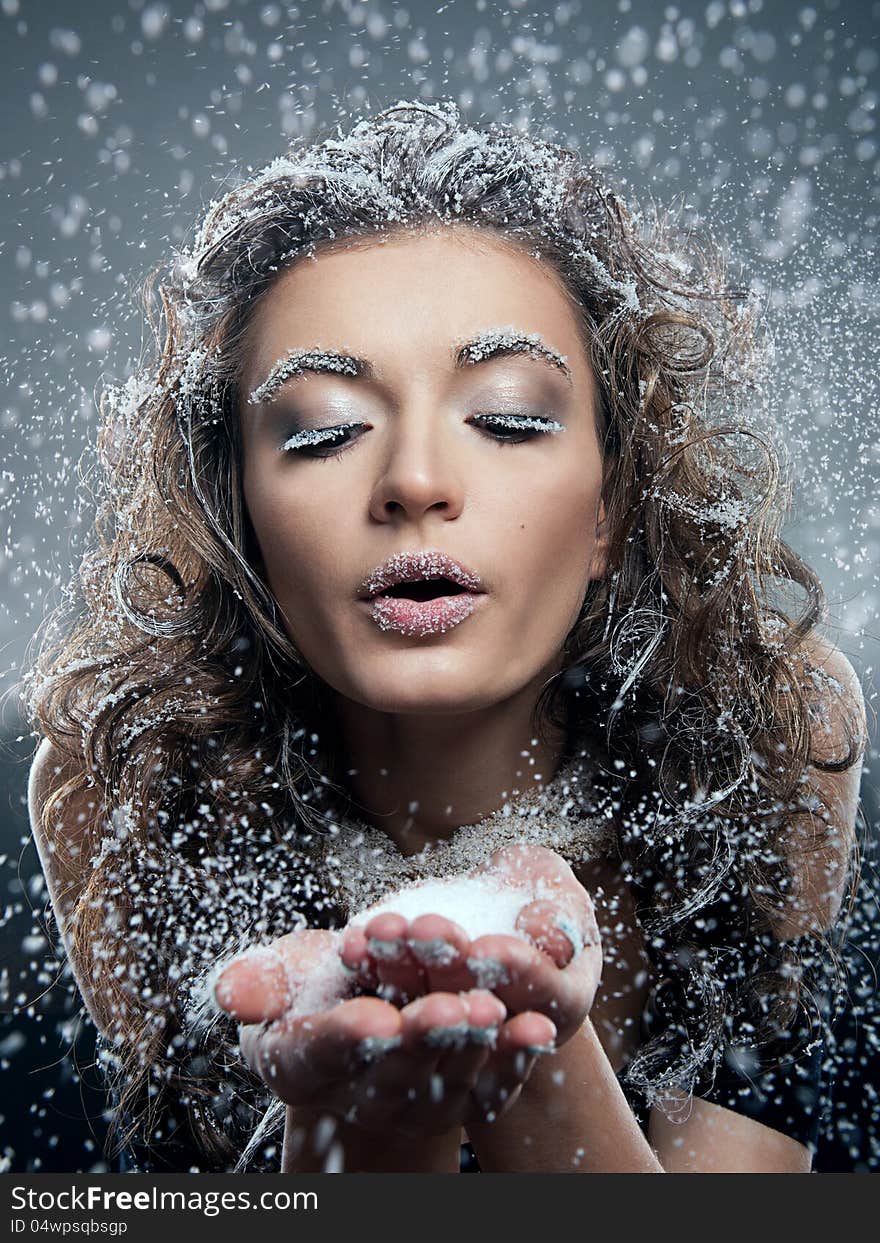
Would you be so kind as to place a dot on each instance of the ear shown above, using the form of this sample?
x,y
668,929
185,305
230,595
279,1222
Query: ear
x,y
599,559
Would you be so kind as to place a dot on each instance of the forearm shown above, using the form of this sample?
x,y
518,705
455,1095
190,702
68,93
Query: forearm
x,y
571,1117
314,1144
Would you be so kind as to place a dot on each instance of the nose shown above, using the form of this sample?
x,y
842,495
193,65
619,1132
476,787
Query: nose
x,y
419,474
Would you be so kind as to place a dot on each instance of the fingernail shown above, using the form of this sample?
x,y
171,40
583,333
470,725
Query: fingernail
x,y
371,1048
488,972
484,1035
388,951
570,929
434,952
454,1036
535,1050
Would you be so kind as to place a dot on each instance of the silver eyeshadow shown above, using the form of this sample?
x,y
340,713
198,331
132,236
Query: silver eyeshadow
x,y
493,343
516,422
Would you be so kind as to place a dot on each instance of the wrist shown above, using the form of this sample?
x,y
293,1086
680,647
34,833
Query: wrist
x,y
571,1117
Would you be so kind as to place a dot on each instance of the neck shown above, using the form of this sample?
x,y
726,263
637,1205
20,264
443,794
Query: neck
x,y
419,777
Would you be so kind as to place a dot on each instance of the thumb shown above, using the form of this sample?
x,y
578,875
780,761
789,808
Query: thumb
x,y
254,987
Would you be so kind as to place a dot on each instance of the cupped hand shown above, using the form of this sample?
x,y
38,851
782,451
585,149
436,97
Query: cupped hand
x,y
557,969
412,1070
552,968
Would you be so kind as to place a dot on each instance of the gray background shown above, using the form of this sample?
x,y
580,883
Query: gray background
x,y
121,121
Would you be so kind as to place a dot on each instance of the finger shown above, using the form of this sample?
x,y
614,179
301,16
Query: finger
x,y
400,974
262,983
452,1021
548,928
524,977
354,953
453,1025
555,889
484,1009
298,1056
402,1087
433,1021
440,946
527,979
521,1041
423,1085
376,946
254,987
458,1069
459,1032
387,931
540,869
550,878
531,1032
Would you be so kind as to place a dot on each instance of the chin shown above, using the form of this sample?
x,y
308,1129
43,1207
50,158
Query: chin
x,y
429,694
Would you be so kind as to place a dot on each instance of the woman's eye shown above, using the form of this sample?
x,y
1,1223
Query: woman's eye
x,y
327,442
516,428
321,442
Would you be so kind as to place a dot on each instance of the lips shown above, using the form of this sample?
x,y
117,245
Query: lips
x,y
405,568
421,593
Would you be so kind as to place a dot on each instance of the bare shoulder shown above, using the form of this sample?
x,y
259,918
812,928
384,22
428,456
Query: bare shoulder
x,y
835,693
60,825
61,829
49,769
821,844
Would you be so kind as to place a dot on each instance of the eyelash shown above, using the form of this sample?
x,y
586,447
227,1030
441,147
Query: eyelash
x,y
526,428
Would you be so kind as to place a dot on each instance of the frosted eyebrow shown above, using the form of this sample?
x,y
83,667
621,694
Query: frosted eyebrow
x,y
299,362
504,342
494,343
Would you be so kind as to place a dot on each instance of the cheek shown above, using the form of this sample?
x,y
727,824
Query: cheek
x,y
285,522
296,535
550,544
303,563
555,527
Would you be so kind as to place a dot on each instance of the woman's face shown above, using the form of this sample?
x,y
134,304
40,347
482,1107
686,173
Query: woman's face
x,y
422,468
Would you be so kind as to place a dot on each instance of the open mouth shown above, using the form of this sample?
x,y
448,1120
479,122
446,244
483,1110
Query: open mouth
x,y
424,589
429,606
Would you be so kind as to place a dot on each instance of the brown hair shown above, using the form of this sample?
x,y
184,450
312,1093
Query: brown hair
x,y
167,678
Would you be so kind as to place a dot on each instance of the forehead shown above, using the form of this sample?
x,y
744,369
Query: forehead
x,y
410,294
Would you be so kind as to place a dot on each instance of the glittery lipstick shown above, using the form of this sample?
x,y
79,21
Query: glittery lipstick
x,y
419,618
421,593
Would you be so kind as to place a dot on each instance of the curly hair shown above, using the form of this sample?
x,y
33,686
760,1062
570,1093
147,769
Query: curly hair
x,y
168,682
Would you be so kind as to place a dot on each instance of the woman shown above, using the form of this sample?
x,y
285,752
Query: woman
x,y
443,507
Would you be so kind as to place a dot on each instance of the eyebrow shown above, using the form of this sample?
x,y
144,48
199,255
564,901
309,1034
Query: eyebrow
x,y
492,344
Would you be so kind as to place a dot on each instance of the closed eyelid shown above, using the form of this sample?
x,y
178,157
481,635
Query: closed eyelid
x,y
316,435
521,422
313,437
